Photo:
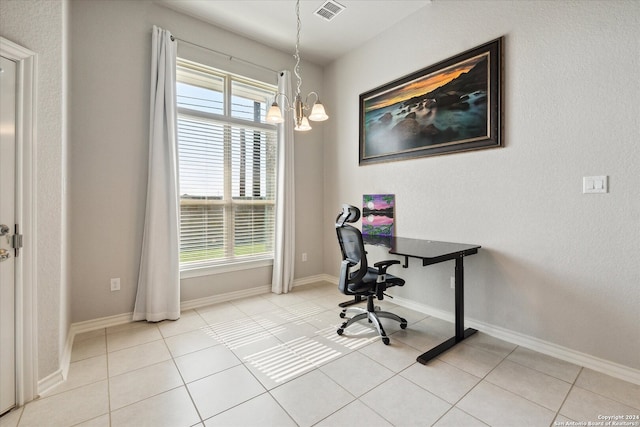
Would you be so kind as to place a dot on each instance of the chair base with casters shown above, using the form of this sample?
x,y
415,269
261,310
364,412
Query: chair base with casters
x,y
358,279
373,314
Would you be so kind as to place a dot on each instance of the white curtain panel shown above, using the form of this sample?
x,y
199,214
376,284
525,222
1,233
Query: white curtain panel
x,y
158,296
284,254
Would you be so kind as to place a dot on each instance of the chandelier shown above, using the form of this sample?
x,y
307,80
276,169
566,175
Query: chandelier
x,y
299,108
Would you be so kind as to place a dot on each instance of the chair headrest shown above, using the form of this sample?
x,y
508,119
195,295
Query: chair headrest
x,y
349,214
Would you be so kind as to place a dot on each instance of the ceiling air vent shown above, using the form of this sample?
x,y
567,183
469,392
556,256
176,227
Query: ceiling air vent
x,y
329,10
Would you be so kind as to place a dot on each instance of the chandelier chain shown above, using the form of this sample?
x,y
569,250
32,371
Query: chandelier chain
x,y
297,54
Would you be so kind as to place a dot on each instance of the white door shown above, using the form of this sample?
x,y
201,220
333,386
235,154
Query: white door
x,y
7,218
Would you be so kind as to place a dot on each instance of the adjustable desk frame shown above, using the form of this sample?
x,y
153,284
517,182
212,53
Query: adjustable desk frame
x,y
432,252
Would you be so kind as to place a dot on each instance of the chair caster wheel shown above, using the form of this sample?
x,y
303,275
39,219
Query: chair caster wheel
x,y
343,315
385,340
340,331
403,325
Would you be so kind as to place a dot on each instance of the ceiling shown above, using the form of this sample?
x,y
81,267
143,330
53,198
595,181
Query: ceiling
x,y
273,22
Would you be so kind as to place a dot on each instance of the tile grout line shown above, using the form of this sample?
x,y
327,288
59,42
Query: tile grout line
x,y
374,409
613,399
573,384
523,397
409,379
542,372
132,371
455,405
316,367
557,412
243,364
184,384
340,408
267,391
106,353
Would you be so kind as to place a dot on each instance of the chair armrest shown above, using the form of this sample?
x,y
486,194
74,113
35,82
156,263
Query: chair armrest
x,y
383,265
344,277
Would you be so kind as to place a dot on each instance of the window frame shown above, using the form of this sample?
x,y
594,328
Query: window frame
x,y
229,263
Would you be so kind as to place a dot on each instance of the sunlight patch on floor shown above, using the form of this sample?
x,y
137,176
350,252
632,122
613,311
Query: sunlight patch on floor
x,y
354,337
285,361
236,334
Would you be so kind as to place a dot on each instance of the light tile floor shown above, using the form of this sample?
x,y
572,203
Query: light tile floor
x,y
276,360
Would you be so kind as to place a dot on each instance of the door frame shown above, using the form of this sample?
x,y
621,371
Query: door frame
x,y
26,333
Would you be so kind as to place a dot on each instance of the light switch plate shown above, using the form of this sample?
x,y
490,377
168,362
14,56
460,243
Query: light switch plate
x,y
595,184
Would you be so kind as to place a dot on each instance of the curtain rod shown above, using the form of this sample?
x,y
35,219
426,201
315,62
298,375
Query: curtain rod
x,y
231,57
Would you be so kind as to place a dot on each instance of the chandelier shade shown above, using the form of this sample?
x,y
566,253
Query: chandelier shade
x,y
317,113
274,115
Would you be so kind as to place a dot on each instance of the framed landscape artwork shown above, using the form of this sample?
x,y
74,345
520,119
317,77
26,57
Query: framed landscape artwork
x,y
454,105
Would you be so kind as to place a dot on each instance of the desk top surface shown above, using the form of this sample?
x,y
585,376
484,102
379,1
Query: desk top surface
x,y
420,248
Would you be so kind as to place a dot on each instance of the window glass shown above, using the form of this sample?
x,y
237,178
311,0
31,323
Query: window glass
x,y
250,102
199,90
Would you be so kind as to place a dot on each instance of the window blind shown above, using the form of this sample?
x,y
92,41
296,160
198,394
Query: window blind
x,y
227,168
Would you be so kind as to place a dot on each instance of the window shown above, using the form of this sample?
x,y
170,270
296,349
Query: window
x,y
227,167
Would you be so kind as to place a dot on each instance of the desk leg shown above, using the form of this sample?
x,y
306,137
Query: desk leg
x,y
459,284
461,333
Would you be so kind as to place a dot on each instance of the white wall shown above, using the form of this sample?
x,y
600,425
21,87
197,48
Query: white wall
x,y
110,49
39,26
556,264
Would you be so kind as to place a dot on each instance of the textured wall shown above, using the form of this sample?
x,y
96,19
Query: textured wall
x,y
38,26
556,264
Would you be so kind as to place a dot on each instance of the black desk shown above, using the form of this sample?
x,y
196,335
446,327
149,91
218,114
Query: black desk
x,y
433,252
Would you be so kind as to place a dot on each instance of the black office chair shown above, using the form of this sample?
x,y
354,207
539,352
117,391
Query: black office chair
x,y
370,282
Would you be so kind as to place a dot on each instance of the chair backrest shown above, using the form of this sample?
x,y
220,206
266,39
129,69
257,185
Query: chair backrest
x,y
352,247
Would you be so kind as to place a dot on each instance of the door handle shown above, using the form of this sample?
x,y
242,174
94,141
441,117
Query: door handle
x,y
4,255
4,229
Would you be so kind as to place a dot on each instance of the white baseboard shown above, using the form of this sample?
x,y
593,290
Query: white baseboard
x,y
229,296
103,322
550,349
313,279
331,279
260,290
51,380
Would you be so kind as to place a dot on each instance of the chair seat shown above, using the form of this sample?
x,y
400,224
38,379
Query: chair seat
x,y
368,283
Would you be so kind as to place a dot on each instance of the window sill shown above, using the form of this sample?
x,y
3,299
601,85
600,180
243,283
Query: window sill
x,y
208,269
